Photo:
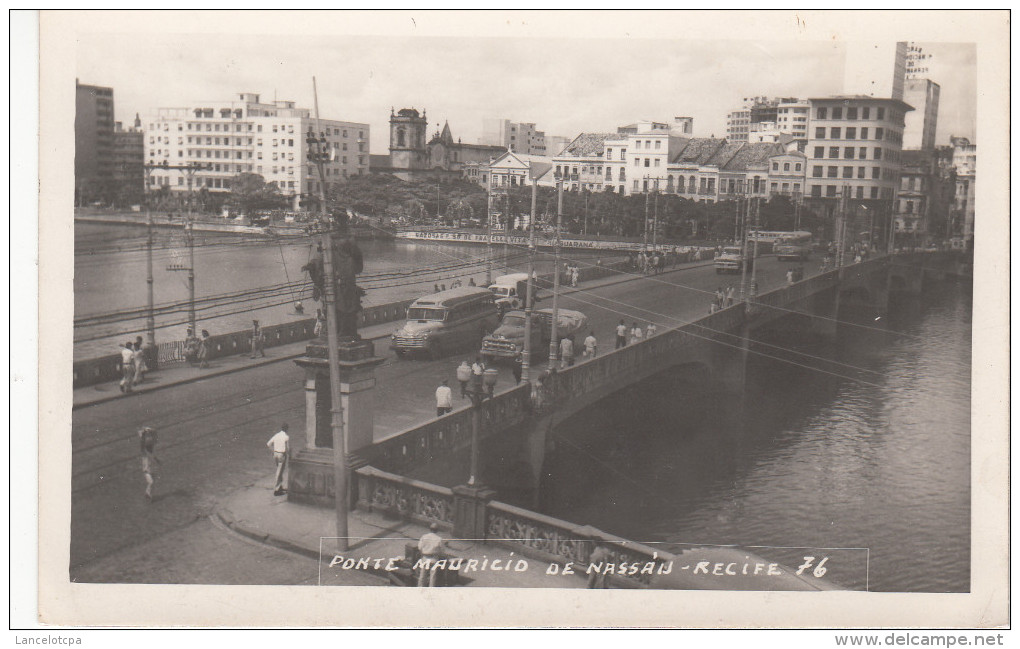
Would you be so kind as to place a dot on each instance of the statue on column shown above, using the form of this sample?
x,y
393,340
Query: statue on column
x,y
347,263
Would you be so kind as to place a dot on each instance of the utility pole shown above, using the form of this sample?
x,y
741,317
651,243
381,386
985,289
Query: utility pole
x,y
150,317
655,217
529,299
743,255
488,224
317,153
189,233
506,234
647,201
554,343
754,253
585,230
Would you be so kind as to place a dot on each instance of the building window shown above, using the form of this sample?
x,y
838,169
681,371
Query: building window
x,y
862,153
880,113
636,185
820,114
848,153
878,153
819,152
876,172
817,171
775,187
656,162
609,154
775,166
796,187
862,172
837,112
796,167
832,172
851,133
786,166
848,172
820,133
874,192
835,133
830,191
637,162
833,151
647,160
851,113
609,175
658,144
866,113
816,191
864,132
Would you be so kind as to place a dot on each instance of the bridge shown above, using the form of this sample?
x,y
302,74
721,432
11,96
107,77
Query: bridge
x,y
390,474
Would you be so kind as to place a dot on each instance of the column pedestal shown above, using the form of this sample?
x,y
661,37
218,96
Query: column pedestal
x,y
311,469
469,510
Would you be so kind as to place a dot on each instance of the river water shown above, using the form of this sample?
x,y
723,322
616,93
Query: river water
x,y
872,453
110,274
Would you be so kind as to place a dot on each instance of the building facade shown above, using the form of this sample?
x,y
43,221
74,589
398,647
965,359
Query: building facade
x,y
518,137
554,144
922,122
786,174
129,157
792,117
248,136
94,164
965,165
765,114
583,164
854,145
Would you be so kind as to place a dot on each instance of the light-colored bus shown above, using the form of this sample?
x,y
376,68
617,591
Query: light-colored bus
x,y
455,319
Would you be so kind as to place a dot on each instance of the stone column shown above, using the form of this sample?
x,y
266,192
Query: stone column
x,y
311,469
469,511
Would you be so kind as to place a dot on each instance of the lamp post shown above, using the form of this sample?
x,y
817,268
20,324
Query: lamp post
x,y
481,388
318,154
529,298
189,170
553,341
150,316
488,225
743,255
655,217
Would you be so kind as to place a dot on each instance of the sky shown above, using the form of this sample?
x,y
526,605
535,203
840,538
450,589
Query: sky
x,y
565,84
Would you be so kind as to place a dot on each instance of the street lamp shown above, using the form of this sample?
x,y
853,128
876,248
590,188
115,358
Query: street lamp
x,y
481,388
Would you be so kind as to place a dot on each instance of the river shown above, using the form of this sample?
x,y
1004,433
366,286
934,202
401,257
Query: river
x,y
873,454
110,275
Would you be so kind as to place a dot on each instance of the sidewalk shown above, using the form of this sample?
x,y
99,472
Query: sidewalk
x,y
255,512
95,394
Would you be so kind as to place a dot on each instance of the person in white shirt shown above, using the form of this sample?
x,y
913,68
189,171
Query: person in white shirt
x,y
636,334
650,330
566,352
621,335
127,367
590,345
444,399
280,443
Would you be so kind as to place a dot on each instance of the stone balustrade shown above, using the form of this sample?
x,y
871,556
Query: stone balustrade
x,y
404,498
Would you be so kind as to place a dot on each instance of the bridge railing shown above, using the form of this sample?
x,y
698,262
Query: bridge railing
x,y
529,533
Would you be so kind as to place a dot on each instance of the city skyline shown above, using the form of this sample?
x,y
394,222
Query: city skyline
x,y
458,81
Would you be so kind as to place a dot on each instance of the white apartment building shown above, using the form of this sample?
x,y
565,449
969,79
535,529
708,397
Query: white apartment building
x,y
248,136
581,163
518,137
792,116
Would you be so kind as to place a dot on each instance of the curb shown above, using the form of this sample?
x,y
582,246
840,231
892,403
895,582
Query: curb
x,y
266,539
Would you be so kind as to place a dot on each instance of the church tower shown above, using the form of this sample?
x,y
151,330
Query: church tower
x,y
407,139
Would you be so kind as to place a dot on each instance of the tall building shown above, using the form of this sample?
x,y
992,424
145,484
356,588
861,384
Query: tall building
x,y
965,164
129,158
854,145
922,122
250,136
93,139
517,137
875,69
784,114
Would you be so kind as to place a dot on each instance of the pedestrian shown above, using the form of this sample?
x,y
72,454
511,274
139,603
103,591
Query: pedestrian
x,y
621,334
574,273
591,346
191,345
435,288
442,287
471,282
720,297
636,334
444,399
127,367
789,277
203,349
713,307
280,443
463,375
477,370
650,330
147,437
518,368
567,351
431,547
138,359
598,578
729,295
299,308
258,340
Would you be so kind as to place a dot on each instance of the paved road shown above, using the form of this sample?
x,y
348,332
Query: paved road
x,y
212,436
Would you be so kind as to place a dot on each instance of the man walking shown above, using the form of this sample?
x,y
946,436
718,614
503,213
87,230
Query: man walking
x,y
567,352
147,436
127,367
444,399
518,369
636,334
591,345
280,443
463,375
621,334
258,340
